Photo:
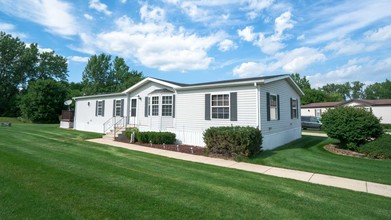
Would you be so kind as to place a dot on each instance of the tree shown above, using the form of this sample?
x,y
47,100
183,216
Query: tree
x,y
379,90
303,83
14,67
341,89
102,75
21,64
43,101
352,126
357,90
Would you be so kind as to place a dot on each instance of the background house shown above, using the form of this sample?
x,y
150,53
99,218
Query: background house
x,y
270,103
380,108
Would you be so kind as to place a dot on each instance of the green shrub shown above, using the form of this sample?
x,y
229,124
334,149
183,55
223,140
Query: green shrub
x,y
156,137
233,141
386,126
379,148
129,131
351,125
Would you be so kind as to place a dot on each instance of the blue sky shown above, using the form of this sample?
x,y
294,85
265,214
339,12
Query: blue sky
x,y
206,40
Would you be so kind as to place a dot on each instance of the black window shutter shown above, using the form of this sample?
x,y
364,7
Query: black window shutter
x,y
278,106
207,106
268,105
292,109
146,107
114,107
234,106
103,108
173,106
122,107
96,108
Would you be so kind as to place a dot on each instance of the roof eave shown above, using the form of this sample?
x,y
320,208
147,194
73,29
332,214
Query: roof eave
x,y
149,79
218,85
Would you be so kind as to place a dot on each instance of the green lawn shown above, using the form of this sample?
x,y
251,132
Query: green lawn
x,y
307,154
50,173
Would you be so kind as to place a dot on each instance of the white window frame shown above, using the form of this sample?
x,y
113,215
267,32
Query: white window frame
x,y
133,107
217,106
273,117
296,115
152,104
99,108
117,109
168,104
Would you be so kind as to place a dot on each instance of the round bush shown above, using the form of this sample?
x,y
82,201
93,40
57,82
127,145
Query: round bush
x,y
351,125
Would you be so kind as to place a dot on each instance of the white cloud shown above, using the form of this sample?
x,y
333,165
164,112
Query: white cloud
x,y
254,7
293,61
54,15
363,69
123,1
381,34
88,17
163,46
298,60
345,47
283,22
10,29
152,14
99,6
248,69
226,45
247,33
78,59
346,18
272,43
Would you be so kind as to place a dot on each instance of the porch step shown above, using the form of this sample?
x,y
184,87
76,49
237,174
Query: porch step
x,y
110,135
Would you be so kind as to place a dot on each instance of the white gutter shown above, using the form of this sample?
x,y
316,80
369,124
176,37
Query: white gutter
x,y
258,105
98,96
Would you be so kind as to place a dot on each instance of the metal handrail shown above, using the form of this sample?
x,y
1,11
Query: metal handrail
x,y
121,123
109,124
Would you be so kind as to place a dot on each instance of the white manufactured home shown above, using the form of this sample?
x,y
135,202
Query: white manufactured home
x,y
381,108
271,103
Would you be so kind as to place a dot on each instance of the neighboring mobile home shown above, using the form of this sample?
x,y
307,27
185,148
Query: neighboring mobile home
x,y
271,103
380,108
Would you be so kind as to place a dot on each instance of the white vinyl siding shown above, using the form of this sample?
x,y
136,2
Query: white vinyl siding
x,y
220,106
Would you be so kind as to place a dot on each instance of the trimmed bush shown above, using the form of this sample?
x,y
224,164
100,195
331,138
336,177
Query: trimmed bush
x,y
233,141
379,148
156,137
129,131
353,126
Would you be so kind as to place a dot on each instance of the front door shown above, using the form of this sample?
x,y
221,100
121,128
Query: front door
x,y
133,112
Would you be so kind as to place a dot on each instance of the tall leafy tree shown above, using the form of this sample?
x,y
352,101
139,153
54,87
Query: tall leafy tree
x,y
357,90
43,100
303,83
104,75
16,63
379,90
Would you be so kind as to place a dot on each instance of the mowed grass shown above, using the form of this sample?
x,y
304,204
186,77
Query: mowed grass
x,y
307,154
51,173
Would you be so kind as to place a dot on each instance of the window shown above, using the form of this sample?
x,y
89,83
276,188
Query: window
x,y
294,111
318,112
117,108
220,106
155,106
166,105
99,108
273,107
133,107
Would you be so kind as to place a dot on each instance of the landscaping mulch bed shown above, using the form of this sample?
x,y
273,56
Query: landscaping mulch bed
x,y
189,149
335,150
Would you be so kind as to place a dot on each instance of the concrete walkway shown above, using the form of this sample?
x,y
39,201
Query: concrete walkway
x,y
340,182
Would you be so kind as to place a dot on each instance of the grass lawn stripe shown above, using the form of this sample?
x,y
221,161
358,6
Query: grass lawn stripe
x,y
63,177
